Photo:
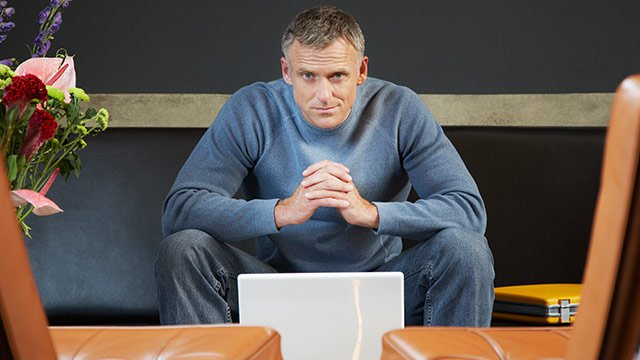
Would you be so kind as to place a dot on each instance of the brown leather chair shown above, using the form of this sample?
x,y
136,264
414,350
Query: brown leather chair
x,y
24,333
608,320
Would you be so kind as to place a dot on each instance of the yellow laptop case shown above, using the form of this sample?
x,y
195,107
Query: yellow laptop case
x,y
540,304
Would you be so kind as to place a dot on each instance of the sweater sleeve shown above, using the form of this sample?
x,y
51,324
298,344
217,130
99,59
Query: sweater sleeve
x,y
448,195
202,194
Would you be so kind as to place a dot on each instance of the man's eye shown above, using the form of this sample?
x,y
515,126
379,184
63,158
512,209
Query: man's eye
x,y
307,76
338,76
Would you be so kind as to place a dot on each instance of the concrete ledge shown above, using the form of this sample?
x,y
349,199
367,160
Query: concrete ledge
x,y
199,110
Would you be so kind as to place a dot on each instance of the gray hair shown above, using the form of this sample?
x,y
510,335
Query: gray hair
x,y
318,27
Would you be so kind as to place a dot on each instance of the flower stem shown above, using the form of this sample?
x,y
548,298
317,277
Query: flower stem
x,y
22,217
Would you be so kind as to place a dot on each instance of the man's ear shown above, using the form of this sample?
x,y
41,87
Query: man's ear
x,y
285,71
363,71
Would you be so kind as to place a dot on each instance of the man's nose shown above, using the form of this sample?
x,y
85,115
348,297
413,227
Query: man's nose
x,y
324,91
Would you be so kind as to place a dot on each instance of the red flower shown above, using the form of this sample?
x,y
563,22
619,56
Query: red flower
x,y
48,127
42,127
23,89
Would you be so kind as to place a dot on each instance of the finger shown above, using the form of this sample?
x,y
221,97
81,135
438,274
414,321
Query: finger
x,y
326,173
324,163
331,202
319,194
326,182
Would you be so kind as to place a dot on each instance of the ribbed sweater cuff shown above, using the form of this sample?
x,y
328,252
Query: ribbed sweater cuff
x,y
265,222
388,224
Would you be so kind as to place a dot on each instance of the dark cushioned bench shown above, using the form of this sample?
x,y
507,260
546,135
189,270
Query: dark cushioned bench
x,y
94,263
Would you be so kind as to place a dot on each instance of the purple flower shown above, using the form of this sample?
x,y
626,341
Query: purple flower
x,y
50,19
8,12
57,21
45,47
6,26
40,38
44,15
8,62
41,44
40,53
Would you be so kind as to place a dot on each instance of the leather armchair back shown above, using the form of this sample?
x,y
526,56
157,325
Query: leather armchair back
x,y
23,320
608,321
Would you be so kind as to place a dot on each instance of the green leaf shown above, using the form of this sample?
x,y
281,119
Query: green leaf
x,y
12,167
26,115
75,163
65,168
22,161
91,112
13,114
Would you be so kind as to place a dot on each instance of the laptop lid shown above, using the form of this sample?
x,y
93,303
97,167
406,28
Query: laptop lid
x,y
325,315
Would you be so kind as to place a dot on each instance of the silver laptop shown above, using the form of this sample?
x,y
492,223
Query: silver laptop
x,y
325,315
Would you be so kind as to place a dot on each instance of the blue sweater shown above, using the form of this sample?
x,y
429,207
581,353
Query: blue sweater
x,y
260,141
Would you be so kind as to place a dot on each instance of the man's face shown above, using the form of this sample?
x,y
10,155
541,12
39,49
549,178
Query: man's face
x,y
324,81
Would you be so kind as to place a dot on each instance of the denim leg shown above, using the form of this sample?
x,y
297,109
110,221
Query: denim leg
x,y
197,278
448,280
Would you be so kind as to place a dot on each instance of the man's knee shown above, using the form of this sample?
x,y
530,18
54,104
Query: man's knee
x,y
467,250
184,246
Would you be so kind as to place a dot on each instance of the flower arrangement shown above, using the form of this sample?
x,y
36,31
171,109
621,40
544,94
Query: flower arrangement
x,y
42,122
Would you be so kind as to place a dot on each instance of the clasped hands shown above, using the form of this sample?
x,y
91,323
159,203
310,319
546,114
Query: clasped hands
x,y
326,184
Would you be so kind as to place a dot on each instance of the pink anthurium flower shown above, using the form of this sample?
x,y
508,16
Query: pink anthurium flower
x,y
42,206
57,72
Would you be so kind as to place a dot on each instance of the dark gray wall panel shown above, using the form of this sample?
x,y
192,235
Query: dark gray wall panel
x,y
205,46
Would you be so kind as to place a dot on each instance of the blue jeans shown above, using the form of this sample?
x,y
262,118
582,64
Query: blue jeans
x,y
448,279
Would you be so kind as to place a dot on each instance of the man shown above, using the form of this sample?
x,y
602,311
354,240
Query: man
x,y
326,158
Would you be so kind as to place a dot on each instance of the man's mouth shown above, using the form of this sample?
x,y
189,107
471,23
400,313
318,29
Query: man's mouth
x,y
325,109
